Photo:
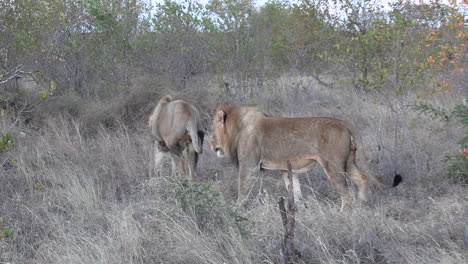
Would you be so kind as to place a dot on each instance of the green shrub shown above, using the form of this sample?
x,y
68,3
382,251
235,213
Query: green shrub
x,y
6,142
458,169
5,231
206,206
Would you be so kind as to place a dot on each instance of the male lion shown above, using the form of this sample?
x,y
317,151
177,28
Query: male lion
x,y
176,129
254,140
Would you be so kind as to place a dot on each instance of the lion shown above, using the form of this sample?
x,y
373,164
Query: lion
x,y
177,133
256,141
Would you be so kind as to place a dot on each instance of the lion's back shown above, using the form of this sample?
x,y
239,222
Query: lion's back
x,y
289,138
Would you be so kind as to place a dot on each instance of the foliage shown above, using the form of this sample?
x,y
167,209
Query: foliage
x,y
5,231
180,27
100,48
207,207
406,48
458,169
90,45
459,114
6,142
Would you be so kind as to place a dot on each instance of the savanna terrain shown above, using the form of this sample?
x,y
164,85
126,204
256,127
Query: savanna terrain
x,y
79,79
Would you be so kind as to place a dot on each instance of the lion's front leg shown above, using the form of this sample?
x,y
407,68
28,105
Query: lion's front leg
x,y
246,171
249,163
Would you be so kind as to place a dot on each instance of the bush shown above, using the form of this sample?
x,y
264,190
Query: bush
x,y
206,206
6,142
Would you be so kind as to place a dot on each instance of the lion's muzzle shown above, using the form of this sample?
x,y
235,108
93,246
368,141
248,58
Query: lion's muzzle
x,y
219,152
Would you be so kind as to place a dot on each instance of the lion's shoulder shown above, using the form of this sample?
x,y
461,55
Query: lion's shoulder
x,y
239,117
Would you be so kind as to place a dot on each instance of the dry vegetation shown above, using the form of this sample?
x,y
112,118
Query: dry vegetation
x,y
78,81
70,194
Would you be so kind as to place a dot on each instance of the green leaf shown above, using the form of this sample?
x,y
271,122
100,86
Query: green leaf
x,y
44,94
53,85
6,142
8,231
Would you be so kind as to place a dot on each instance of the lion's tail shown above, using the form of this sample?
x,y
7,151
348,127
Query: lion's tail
x,y
153,120
155,115
196,135
396,180
354,148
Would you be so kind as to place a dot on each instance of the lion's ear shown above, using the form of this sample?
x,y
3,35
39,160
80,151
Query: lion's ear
x,y
221,117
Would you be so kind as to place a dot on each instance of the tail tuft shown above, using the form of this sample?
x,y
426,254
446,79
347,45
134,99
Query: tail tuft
x,y
396,180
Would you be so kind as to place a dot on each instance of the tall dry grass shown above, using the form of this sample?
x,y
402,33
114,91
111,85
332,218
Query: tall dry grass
x,y
71,196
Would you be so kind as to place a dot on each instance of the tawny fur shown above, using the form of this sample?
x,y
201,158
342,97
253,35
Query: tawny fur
x,y
255,140
176,129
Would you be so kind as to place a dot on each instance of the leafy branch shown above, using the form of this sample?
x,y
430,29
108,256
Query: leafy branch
x,y
459,113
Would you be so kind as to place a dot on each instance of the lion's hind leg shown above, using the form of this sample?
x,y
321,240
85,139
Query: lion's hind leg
x,y
362,182
190,157
357,176
337,175
176,144
176,164
158,158
182,167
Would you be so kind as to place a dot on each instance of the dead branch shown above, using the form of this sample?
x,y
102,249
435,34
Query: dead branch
x,y
290,254
15,73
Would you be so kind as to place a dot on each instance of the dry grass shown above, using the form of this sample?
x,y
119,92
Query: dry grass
x,y
74,198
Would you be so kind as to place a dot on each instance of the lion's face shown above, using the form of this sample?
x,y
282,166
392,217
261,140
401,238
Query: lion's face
x,y
216,140
216,147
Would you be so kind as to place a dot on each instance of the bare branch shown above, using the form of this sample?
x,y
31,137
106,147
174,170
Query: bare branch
x,y
290,253
15,73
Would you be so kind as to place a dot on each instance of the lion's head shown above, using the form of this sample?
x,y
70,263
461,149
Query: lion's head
x,y
229,123
220,141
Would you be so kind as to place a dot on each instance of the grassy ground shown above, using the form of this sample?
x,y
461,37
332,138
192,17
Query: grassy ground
x,y
71,196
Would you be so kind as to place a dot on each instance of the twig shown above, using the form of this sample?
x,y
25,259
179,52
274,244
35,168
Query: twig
x,y
15,73
17,119
317,78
